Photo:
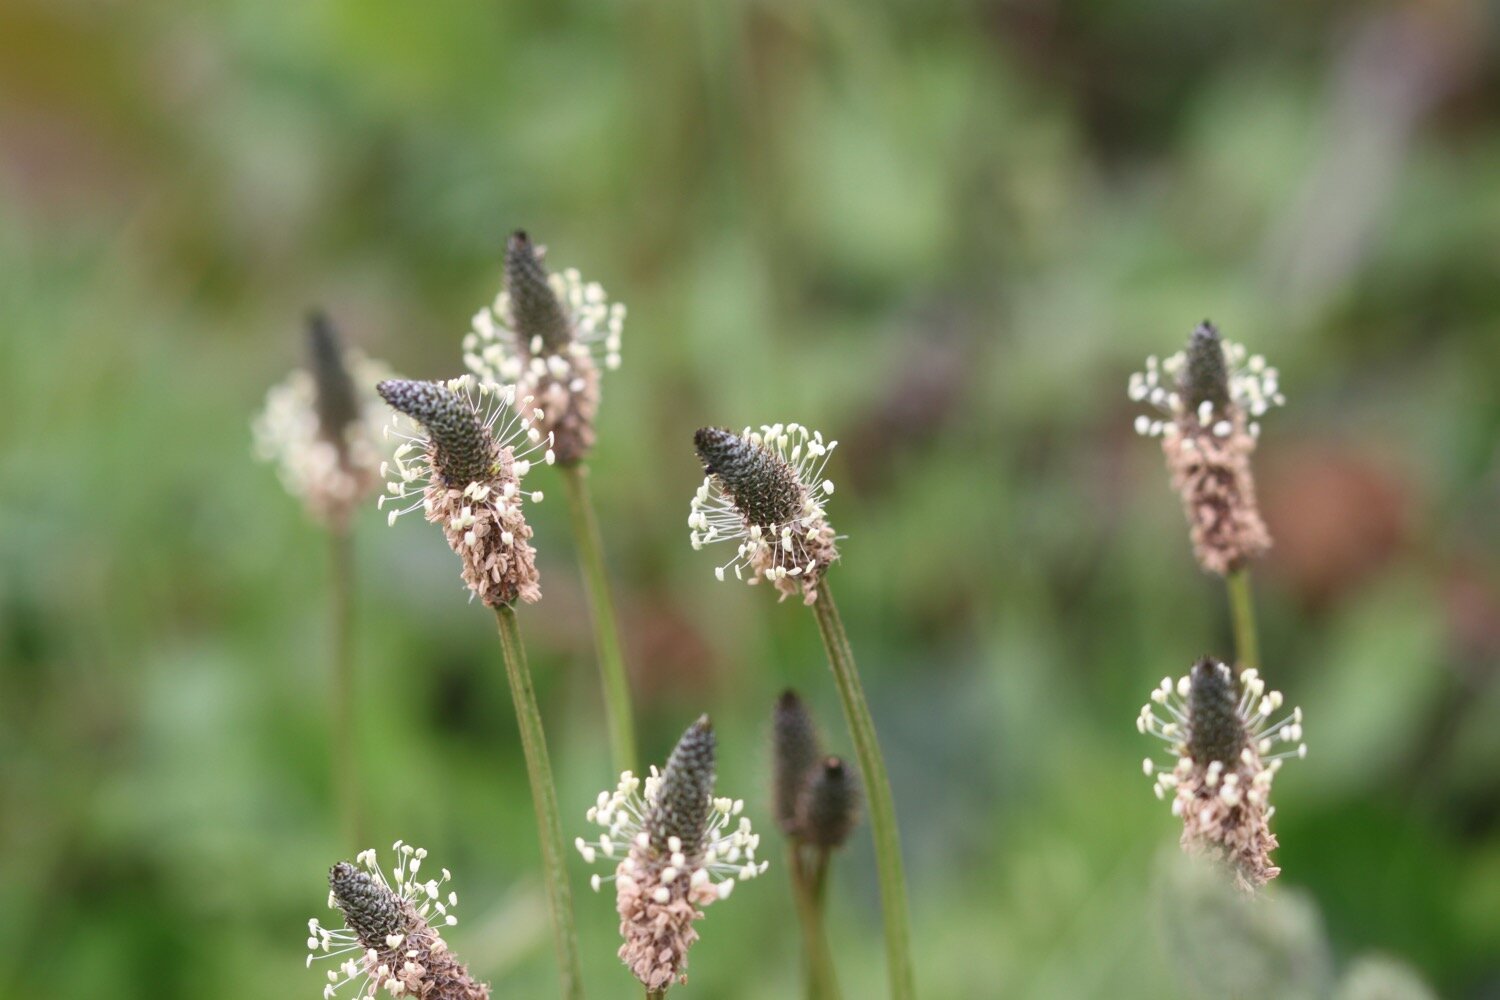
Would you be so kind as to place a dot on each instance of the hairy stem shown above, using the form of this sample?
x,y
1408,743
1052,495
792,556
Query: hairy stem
x,y
1242,611
881,806
820,983
616,686
345,755
544,800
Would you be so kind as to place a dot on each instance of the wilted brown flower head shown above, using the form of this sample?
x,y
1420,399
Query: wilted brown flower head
x,y
1211,399
321,430
389,942
459,460
680,855
1219,730
765,491
548,334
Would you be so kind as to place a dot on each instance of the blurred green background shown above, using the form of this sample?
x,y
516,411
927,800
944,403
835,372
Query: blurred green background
x,y
941,233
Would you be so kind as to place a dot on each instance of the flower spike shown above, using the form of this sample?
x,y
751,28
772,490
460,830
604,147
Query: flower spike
x,y
549,334
323,432
390,940
1210,398
1226,753
683,848
795,750
765,490
462,465
829,808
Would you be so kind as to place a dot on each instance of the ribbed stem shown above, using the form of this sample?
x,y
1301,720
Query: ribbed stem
x,y
614,682
821,982
882,808
345,754
544,800
1242,611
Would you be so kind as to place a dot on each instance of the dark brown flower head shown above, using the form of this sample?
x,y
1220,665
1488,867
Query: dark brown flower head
x,y
321,426
371,910
687,787
795,752
1227,751
464,451
1205,376
765,490
549,335
337,402
830,804
390,942
465,474
534,305
1211,398
762,485
1215,729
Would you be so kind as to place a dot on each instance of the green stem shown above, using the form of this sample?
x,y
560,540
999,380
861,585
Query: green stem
x,y
656,995
821,983
612,676
1242,611
819,879
345,755
882,808
544,800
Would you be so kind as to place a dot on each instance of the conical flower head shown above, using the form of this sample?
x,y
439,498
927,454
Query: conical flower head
x,y
1210,399
321,427
1215,730
687,787
337,399
795,752
830,804
550,334
463,449
1226,751
765,490
463,466
763,486
371,910
534,305
390,942
1205,376
683,849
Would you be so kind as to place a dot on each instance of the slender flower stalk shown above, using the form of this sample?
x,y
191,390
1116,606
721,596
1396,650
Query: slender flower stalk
x,y
1242,616
544,797
680,849
345,736
765,491
551,334
321,429
461,461
390,940
1226,751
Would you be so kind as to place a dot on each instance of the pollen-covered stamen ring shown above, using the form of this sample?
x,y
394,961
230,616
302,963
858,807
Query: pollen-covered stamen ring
x,y
1190,396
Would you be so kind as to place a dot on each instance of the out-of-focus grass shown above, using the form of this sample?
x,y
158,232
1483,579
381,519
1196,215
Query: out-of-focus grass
x,y
941,235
